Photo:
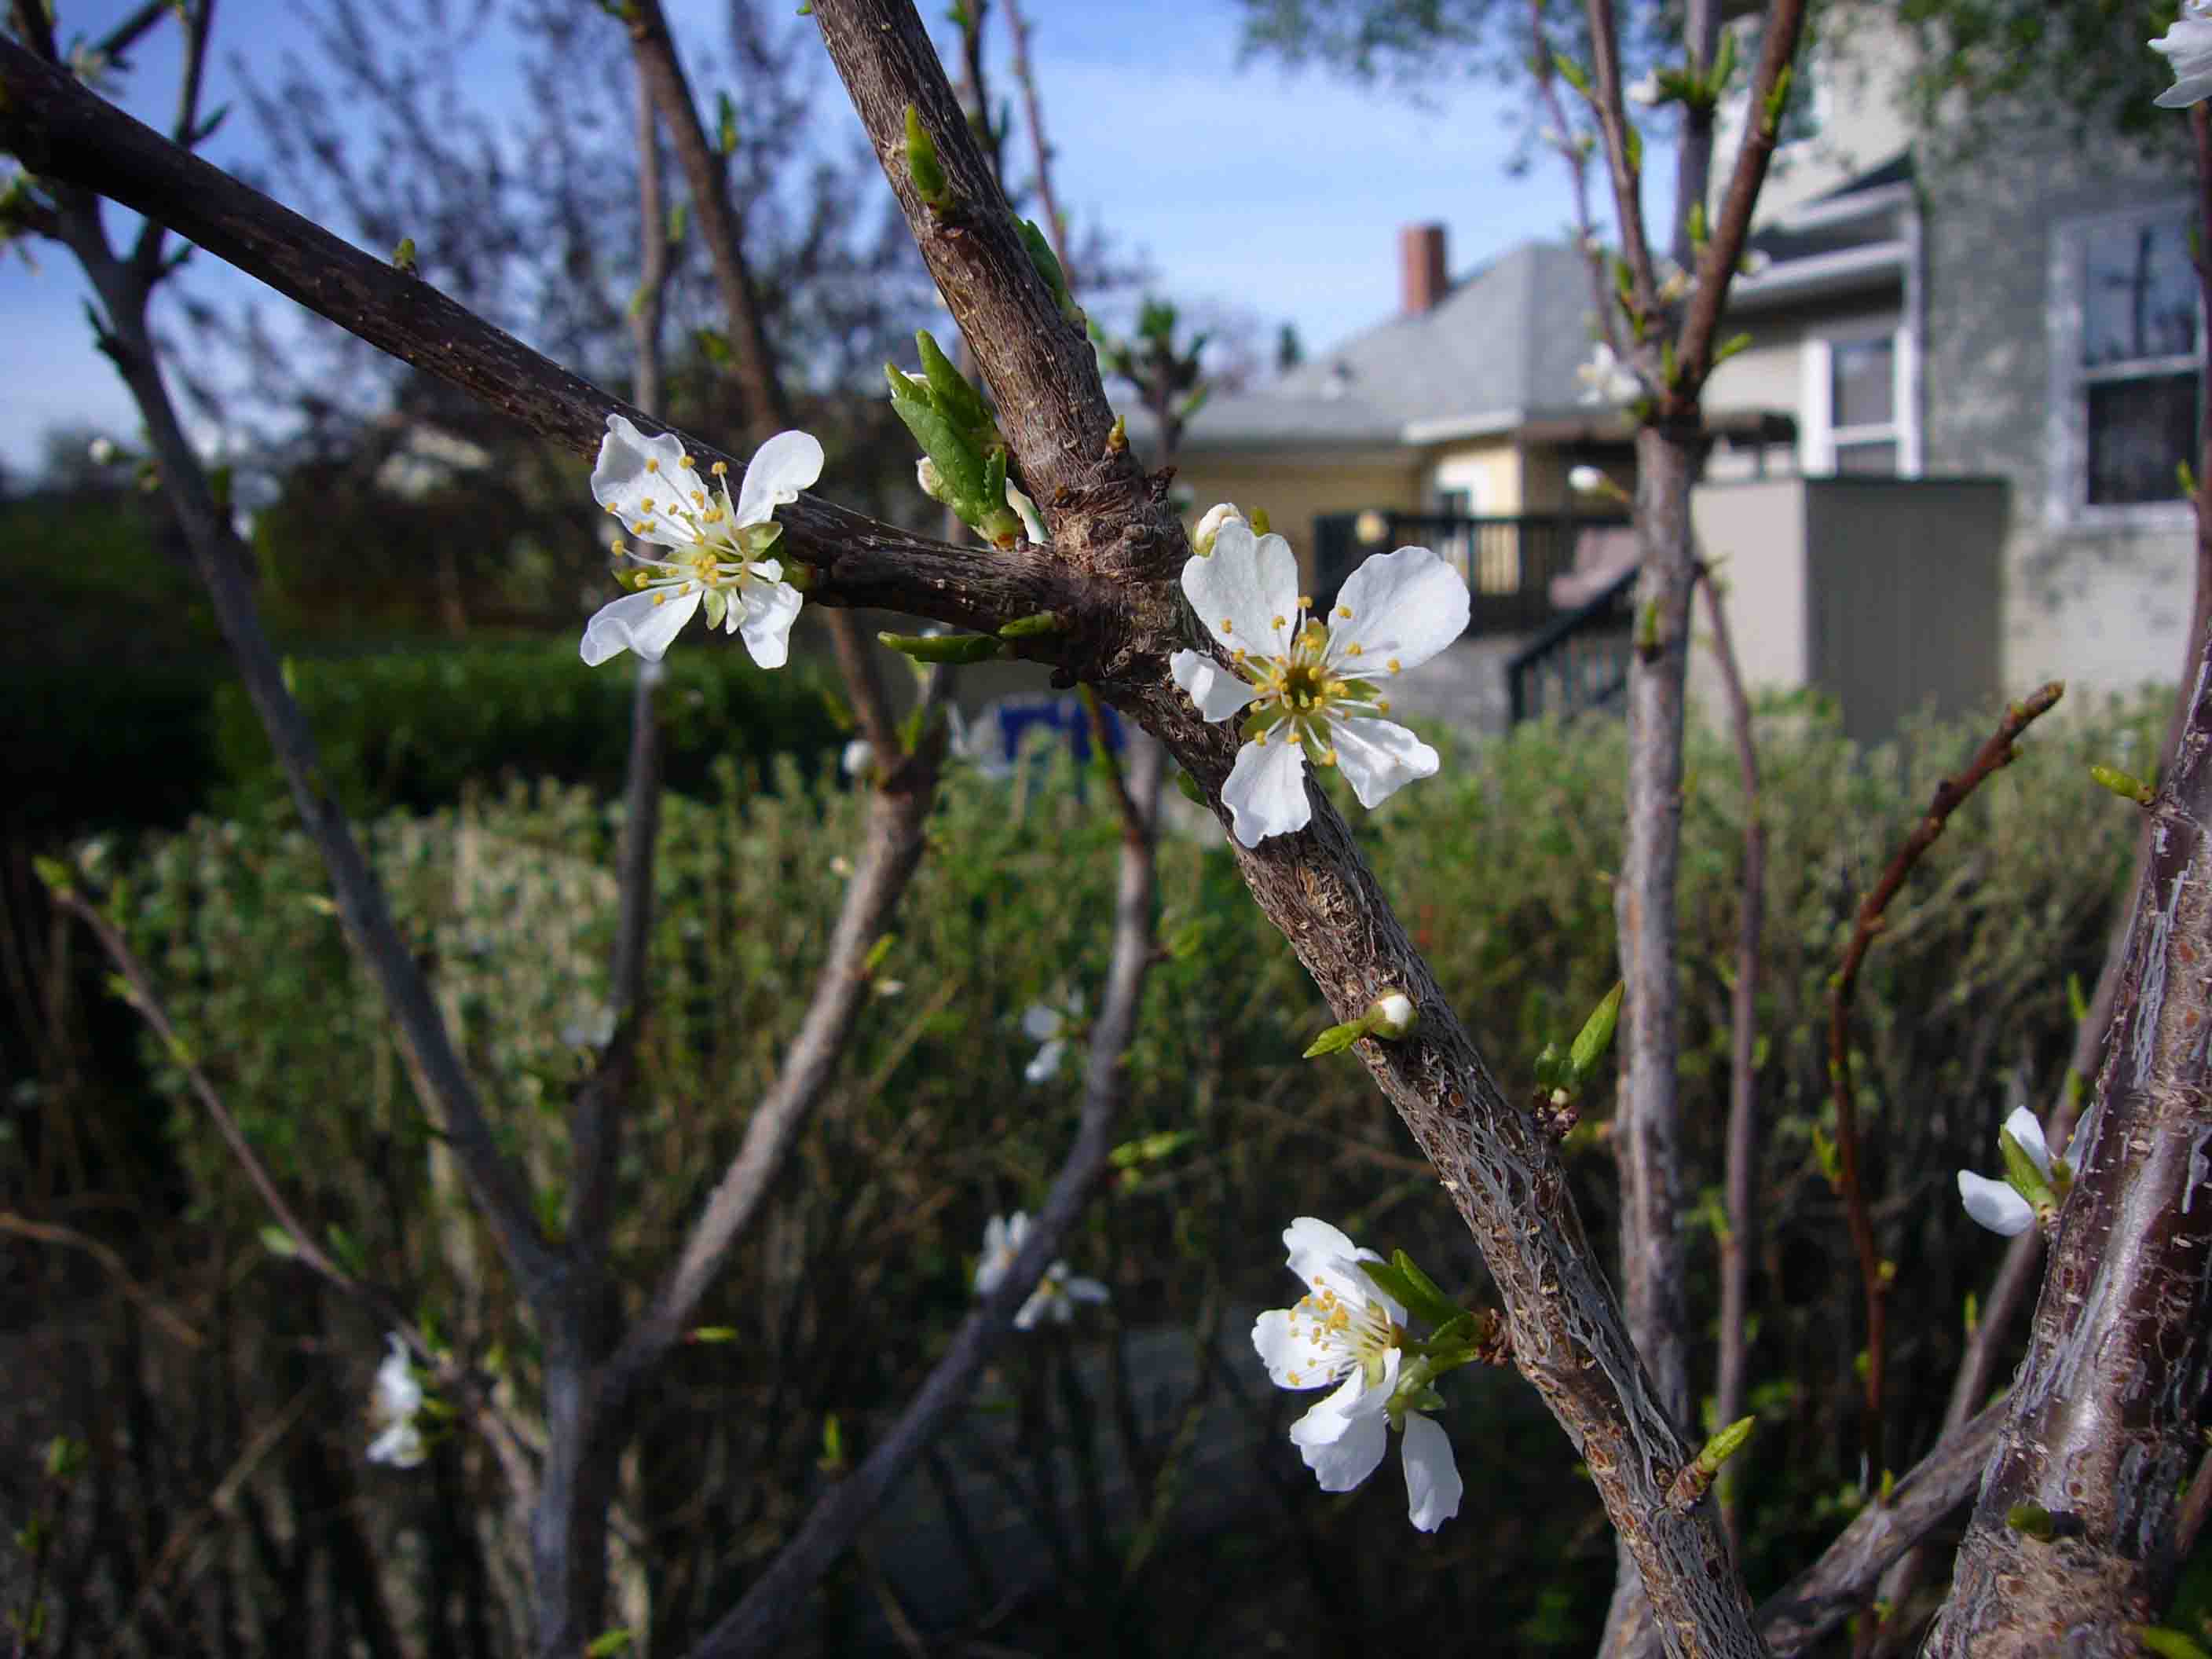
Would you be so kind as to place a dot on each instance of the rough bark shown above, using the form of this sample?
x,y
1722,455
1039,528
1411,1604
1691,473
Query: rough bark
x,y
2102,1426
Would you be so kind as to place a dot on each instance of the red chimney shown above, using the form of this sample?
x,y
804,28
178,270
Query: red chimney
x,y
1421,280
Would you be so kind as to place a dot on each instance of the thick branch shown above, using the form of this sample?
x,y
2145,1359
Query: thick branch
x,y
1566,1328
2102,1425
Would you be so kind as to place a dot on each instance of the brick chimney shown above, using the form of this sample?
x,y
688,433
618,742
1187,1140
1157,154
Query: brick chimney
x,y
1421,280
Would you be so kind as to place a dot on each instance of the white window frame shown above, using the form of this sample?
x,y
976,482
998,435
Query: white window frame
x,y
1818,437
2067,504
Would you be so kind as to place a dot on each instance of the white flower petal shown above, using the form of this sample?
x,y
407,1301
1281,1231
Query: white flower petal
x,y
634,469
1311,1236
784,465
1084,1289
1994,1205
1405,606
1433,1487
858,756
643,623
1046,1065
2188,48
1251,583
1266,792
1041,1021
1289,1359
1380,757
400,1445
1218,693
2024,1127
1342,1463
1032,1310
766,630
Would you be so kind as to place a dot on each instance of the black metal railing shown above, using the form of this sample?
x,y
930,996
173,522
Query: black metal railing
x,y
1510,563
1580,661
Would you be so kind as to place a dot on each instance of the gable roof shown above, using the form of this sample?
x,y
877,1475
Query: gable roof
x,y
1501,347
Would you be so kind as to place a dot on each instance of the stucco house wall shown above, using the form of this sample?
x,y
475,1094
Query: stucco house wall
x,y
2098,597
1294,488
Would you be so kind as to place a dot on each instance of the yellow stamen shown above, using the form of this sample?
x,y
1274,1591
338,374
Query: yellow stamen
x,y
651,465
1354,649
1229,625
687,464
720,469
1392,665
1277,623
1345,611
1305,601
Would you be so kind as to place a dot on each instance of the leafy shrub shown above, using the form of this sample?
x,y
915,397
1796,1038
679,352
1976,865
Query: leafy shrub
x,y
858,1268
413,728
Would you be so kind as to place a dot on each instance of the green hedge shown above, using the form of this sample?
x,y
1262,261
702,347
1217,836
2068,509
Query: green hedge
x,y
1502,869
413,728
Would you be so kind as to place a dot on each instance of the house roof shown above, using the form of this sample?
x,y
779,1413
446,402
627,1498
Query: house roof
x,y
1500,349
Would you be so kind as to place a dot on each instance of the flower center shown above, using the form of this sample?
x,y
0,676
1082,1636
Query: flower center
x,y
1344,1336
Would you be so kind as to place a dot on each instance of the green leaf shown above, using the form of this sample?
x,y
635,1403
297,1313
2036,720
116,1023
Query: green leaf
x,y
277,1242
1391,1280
725,123
714,345
1595,1037
1335,1039
1022,627
1188,786
54,875
617,1640
346,1249
1425,1296
876,952
2167,1644
949,388
1572,72
711,1333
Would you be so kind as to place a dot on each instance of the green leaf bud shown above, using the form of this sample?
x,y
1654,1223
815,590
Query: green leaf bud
x,y
922,166
956,648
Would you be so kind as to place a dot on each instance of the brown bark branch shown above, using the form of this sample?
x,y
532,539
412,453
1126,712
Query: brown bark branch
x,y
1994,754
1566,1328
2102,1424
1693,346
44,1232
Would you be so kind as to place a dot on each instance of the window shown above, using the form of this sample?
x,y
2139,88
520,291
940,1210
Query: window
x,y
2126,328
1862,405
1853,415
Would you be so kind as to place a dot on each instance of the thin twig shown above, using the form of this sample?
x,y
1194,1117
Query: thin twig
x,y
1603,311
1055,226
1993,756
758,1622
1743,1022
47,1233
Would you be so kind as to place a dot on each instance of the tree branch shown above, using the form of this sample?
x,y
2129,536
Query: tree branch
x,y
2102,1424
758,1623
1994,754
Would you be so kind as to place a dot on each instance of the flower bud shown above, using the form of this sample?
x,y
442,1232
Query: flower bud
x,y
1201,540
1392,1016
1585,480
103,451
932,481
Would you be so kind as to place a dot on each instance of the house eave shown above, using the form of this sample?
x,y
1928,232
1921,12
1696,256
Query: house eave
x,y
1848,271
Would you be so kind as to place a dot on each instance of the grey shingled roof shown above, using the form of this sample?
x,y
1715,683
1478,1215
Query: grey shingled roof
x,y
1506,341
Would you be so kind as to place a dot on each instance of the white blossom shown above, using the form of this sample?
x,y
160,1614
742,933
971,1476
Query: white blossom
x,y
1644,90
1056,1293
102,452
1313,689
858,756
714,542
1995,1204
1585,480
1348,1335
1674,282
1209,527
393,1404
1754,263
2188,48
1051,1028
1608,378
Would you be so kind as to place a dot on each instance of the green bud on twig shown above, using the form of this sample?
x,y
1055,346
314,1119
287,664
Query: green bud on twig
x,y
960,649
2126,785
2032,1521
402,257
922,166
1391,1016
1022,627
1697,1477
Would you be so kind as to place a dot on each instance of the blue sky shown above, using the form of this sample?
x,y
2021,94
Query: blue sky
x,y
1275,193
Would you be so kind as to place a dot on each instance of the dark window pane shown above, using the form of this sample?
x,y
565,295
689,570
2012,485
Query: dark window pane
x,y
1862,384
1878,460
2139,431
2139,295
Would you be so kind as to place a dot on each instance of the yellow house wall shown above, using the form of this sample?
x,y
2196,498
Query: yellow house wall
x,y
1491,473
1295,492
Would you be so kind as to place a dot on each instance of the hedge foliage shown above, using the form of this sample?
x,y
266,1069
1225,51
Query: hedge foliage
x,y
852,1279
